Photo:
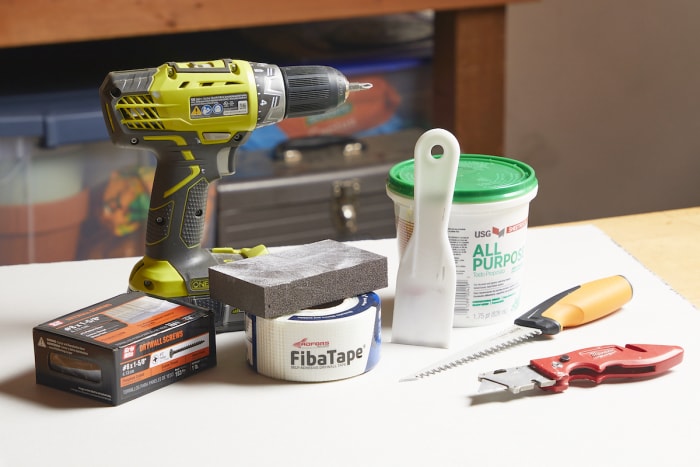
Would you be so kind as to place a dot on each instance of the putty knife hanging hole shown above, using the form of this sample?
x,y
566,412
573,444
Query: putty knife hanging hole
x,y
437,151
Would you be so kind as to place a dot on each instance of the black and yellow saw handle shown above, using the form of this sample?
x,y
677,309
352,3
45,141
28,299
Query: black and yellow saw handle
x,y
578,305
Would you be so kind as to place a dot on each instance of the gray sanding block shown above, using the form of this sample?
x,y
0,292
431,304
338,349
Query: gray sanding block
x,y
284,282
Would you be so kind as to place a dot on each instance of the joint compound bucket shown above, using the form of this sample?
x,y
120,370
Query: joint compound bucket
x,y
487,231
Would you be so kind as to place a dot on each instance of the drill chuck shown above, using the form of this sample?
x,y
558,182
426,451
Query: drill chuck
x,y
299,91
313,90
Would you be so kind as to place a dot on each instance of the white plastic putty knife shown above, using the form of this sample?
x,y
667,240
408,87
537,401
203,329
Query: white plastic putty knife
x,y
426,280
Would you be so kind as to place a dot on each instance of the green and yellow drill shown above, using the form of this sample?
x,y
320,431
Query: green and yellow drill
x,y
194,116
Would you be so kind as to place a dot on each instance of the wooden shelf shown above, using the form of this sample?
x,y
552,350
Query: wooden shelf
x,y
32,22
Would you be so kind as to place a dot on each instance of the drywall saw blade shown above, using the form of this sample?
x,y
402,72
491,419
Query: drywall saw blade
x,y
510,336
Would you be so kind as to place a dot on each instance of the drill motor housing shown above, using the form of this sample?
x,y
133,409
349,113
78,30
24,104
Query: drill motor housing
x,y
193,116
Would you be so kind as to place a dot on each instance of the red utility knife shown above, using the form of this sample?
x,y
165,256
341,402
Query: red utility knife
x,y
593,364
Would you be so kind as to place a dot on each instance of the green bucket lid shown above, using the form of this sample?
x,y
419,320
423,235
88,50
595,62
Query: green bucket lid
x,y
480,179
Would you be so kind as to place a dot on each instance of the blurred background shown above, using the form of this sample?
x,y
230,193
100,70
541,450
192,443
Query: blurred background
x,y
601,99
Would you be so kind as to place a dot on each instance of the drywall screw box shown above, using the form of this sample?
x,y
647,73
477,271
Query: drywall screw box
x,y
124,347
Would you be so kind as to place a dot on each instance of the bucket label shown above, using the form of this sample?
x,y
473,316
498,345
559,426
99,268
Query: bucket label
x,y
488,259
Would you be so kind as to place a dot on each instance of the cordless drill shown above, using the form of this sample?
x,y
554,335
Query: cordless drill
x,y
193,116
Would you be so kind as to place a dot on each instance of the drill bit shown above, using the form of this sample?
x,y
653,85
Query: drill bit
x,y
359,86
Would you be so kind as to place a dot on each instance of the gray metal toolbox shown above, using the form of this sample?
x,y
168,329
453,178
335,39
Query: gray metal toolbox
x,y
306,195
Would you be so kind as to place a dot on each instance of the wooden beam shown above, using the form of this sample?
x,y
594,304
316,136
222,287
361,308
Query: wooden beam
x,y
33,22
469,77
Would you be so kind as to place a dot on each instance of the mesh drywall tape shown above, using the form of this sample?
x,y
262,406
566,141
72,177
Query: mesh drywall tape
x,y
322,344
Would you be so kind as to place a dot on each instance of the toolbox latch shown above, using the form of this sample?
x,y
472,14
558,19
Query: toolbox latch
x,y
344,205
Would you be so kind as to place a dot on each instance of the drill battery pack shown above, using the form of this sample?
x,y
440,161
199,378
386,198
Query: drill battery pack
x,y
124,347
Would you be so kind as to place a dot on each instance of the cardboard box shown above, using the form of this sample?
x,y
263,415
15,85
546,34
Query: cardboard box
x,y
124,347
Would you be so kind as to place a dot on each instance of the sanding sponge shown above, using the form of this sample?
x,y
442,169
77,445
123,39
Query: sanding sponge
x,y
297,278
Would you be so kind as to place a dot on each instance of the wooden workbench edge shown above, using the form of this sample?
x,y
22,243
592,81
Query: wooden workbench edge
x,y
666,242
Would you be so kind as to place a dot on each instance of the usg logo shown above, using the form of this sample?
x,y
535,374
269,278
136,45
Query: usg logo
x,y
305,343
199,284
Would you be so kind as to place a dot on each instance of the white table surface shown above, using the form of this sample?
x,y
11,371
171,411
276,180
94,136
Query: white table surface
x,y
229,415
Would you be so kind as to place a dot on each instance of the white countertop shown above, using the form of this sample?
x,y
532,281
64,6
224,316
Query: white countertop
x,y
230,415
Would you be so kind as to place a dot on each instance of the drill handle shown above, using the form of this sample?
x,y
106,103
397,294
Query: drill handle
x,y
178,207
